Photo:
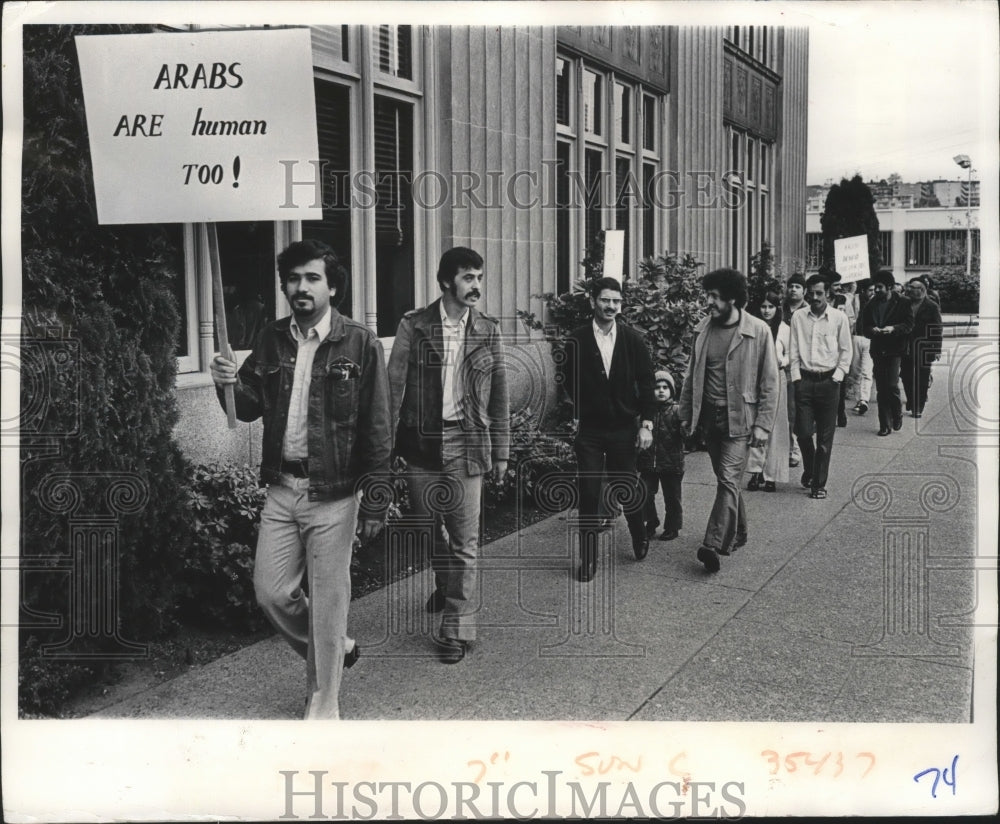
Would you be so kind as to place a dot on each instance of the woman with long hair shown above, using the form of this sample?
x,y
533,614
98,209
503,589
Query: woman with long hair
x,y
769,464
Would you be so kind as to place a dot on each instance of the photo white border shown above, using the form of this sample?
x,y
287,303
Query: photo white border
x,y
185,770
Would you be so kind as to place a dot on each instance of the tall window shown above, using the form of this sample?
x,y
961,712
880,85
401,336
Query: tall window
x,y
333,121
607,158
377,238
393,212
750,172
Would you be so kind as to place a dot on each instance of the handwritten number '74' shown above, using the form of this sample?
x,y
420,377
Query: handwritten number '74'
x,y
939,776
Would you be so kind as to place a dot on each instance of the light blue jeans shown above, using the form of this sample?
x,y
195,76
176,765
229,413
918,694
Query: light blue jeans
x,y
300,538
453,495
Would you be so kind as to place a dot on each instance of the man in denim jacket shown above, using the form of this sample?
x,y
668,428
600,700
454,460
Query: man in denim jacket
x,y
450,413
318,380
731,392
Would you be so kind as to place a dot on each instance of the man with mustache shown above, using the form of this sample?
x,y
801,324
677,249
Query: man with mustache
x,y
450,413
607,373
730,393
318,380
820,358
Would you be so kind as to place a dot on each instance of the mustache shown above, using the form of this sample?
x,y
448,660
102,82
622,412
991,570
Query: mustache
x,y
474,293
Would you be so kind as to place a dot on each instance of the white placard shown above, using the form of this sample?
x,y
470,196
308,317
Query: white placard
x,y
614,253
201,126
851,258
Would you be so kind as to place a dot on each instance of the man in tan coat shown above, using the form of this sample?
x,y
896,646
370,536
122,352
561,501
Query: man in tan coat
x,y
731,393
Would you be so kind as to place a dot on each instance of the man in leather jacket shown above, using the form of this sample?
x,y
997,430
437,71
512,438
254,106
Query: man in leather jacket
x,y
451,418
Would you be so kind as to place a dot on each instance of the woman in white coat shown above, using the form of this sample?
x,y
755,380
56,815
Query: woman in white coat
x,y
768,465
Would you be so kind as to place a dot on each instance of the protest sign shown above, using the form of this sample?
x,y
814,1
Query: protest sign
x,y
191,126
851,258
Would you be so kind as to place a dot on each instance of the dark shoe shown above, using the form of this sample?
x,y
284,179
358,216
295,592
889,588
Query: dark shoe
x,y
842,420
709,557
897,423
862,407
436,602
769,486
885,431
755,481
588,566
806,481
818,494
668,536
651,529
640,547
917,414
793,462
452,649
907,406
351,658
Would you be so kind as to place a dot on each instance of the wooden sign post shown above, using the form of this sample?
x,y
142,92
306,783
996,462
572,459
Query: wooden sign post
x,y
211,237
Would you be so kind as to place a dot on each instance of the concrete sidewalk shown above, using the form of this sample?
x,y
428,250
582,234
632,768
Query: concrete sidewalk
x,y
819,618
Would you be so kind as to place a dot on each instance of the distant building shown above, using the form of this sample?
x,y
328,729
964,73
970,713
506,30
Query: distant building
x,y
899,195
911,240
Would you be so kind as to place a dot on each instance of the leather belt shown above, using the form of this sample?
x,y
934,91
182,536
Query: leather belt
x,y
816,376
297,469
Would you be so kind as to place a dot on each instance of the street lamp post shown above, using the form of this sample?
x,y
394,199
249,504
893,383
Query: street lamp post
x,y
966,163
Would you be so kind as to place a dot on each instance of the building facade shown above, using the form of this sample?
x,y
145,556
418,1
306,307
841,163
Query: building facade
x,y
525,143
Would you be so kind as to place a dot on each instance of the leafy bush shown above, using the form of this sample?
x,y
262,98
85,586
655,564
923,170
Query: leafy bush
x,y
664,303
532,455
217,575
101,411
959,292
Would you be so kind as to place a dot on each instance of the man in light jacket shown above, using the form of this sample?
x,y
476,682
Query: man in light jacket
x,y
731,393
451,419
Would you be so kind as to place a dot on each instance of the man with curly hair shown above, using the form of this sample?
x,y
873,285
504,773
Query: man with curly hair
x,y
730,393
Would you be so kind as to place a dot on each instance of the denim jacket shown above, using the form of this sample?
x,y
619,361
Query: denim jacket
x,y
416,386
348,418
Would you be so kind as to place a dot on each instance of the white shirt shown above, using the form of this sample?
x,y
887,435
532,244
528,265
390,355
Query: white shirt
x,y
453,336
819,344
606,344
296,443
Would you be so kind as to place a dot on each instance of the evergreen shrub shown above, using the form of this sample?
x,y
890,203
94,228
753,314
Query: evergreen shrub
x,y
102,408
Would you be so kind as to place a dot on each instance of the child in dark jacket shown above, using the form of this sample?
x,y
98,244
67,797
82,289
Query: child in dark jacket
x,y
663,463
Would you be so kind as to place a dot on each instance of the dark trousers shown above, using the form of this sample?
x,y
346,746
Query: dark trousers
x,y
816,402
842,403
885,370
673,515
916,380
607,476
729,458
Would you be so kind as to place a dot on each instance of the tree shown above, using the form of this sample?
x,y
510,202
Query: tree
x,y
849,211
98,408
